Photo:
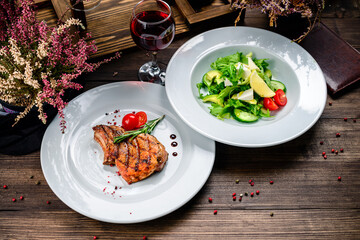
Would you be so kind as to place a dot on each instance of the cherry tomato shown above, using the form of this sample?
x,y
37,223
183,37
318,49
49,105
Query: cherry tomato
x,y
130,121
142,119
270,104
280,97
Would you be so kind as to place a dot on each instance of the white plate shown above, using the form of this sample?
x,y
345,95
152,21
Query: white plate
x,y
289,63
72,162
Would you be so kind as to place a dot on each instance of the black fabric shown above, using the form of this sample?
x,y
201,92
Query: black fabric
x,y
25,137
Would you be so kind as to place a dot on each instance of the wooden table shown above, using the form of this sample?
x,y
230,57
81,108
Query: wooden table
x,y
306,199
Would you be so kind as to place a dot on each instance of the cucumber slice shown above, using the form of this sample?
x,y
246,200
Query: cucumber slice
x,y
278,85
242,116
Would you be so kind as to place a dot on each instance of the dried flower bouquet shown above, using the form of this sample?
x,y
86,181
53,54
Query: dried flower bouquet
x,y
275,8
37,62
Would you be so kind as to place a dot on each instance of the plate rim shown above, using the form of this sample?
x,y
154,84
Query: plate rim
x,y
75,208
228,142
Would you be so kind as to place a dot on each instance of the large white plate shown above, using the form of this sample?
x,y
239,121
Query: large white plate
x,y
289,63
72,162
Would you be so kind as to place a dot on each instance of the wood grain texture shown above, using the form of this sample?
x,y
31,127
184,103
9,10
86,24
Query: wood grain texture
x,y
306,198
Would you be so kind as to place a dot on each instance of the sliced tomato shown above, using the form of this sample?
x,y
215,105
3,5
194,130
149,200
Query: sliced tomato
x,y
270,104
280,97
142,118
130,121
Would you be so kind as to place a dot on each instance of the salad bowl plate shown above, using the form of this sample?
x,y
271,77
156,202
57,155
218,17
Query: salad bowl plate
x,y
289,63
72,162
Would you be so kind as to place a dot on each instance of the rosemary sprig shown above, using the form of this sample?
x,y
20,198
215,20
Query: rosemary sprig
x,y
147,128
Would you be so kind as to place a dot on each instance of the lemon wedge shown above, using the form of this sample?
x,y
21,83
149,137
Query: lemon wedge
x,y
259,85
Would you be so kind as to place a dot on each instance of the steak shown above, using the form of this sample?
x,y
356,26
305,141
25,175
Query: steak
x,y
136,159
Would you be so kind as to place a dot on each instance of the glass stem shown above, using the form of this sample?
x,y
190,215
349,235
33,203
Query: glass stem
x,y
154,60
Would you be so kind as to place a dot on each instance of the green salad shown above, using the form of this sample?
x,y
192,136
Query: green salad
x,y
241,87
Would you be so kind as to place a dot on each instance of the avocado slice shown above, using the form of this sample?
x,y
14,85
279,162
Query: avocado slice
x,y
209,77
214,98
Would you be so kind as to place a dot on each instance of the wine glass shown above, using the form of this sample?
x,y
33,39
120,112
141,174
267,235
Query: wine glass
x,y
152,28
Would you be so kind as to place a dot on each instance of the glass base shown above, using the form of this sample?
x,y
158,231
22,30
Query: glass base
x,y
149,73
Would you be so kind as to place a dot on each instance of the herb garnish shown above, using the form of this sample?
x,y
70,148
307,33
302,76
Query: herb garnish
x,y
147,128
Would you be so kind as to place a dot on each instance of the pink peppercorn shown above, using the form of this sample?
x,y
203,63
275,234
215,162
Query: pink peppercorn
x,y
341,150
14,199
345,119
234,198
257,192
144,237
95,237
215,212
5,186
321,142
354,120
271,182
330,103
48,202
210,199
332,150
337,134
21,198
339,178
250,181
325,157
323,153
252,194
252,184
234,194
336,152
240,198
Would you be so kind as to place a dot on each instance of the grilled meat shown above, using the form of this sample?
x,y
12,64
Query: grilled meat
x,y
136,159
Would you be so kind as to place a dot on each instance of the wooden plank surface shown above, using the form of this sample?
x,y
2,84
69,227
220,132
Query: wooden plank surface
x,y
307,200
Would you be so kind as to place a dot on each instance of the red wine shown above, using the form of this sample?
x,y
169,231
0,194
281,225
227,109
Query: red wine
x,y
151,31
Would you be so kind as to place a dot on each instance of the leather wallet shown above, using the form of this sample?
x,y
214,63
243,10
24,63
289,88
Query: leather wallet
x,y
339,61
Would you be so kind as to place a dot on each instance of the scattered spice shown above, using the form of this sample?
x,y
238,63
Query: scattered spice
x,y
215,212
341,150
321,142
330,103
257,192
210,200
336,152
115,74
323,153
339,178
240,198
48,202
144,238
251,194
234,198
31,177
345,119
271,182
14,199
234,194
354,120
115,187
5,186
237,181
95,237
325,157
271,214
337,134
21,198
332,150
241,195
38,183
252,183
112,165
246,194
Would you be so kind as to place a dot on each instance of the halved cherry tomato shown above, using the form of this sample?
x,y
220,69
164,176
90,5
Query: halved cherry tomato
x,y
270,104
130,121
280,97
142,118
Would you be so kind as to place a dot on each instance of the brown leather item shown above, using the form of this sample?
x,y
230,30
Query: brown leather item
x,y
339,61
